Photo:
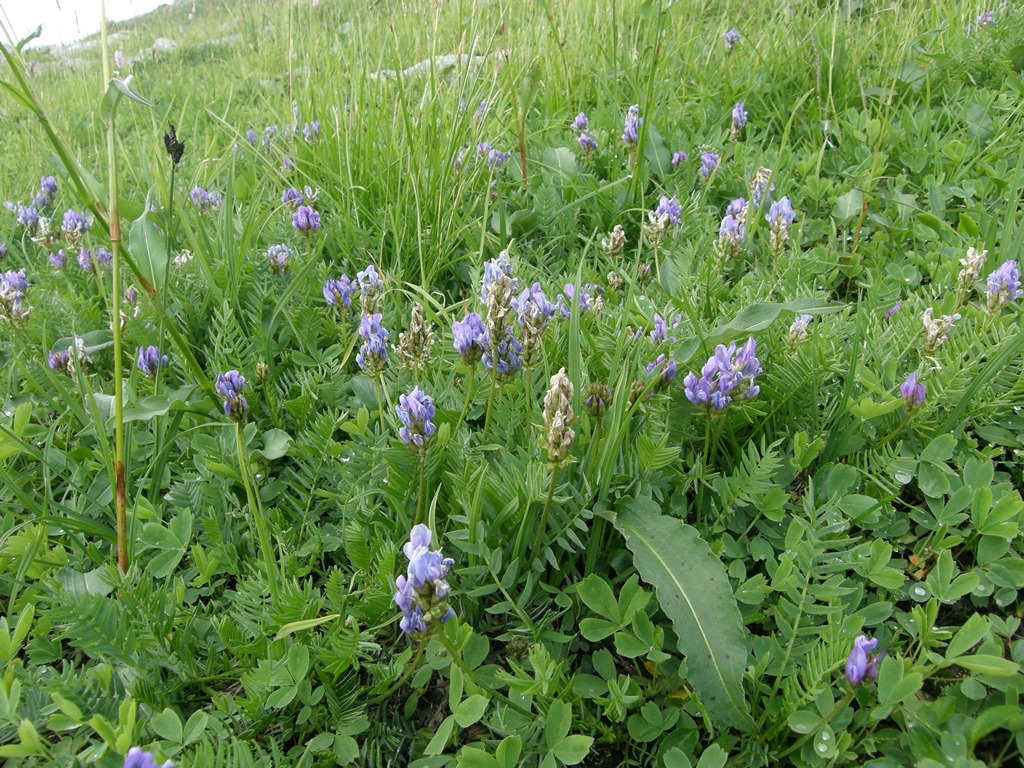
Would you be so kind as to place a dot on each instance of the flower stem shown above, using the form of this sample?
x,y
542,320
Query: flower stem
x,y
469,397
410,668
120,498
528,390
380,400
419,496
490,397
542,524
457,658
257,511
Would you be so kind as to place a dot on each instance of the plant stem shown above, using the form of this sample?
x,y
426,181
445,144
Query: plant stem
x,y
419,496
542,524
380,400
257,511
843,702
457,658
595,443
120,497
527,388
413,663
469,397
490,397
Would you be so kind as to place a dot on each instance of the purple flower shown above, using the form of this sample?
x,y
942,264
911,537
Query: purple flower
x,y
664,368
470,338
587,299
708,164
85,260
416,412
252,137
533,308
912,391
305,220
59,361
731,38
669,206
781,215
150,361
492,270
47,191
279,256
3,251
422,594
13,286
370,287
292,198
630,132
494,157
74,226
136,758
859,665
678,158
892,310
481,111
205,201
660,332
728,376
587,142
59,259
580,123
373,354
310,131
131,296
28,217
229,387
1004,285
338,292
739,118
419,539
103,257
507,355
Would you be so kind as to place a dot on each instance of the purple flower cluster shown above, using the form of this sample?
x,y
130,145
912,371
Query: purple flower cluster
x,y
507,356
892,310
661,331
370,287
739,119
206,201
590,296
669,206
13,286
470,338
229,387
727,377
373,354
292,197
150,361
679,158
306,220
631,129
708,164
58,259
137,758
664,368
731,38
492,270
859,665
74,226
494,157
28,217
984,19
587,142
533,307
912,391
422,594
279,256
416,412
47,191
1004,285
733,230
338,292
780,218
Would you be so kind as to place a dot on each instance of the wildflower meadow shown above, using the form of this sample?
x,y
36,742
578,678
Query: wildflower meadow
x,y
514,384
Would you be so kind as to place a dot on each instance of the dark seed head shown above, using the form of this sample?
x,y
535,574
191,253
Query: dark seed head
x,y
175,149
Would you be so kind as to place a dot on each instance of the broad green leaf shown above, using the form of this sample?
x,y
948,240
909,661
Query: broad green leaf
x,y
990,665
695,594
849,206
149,247
560,161
558,723
167,725
713,757
572,749
298,626
471,710
275,444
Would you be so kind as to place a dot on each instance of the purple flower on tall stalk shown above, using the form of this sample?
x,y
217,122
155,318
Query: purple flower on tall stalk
x,y
492,270
252,137
660,332
150,361
59,259
370,287
373,354
669,206
279,257
305,220
136,758
739,119
664,368
86,261
338,292
470,338
494,157
1004,285
580,123
587,142
205,201
708,164
731,38
727,377
310,131
631,129
422,594
780,218
733,230
416,412
534,312
507,355
892,310
912,391
859,665
103,257
798,331
229,387
679,158
590,296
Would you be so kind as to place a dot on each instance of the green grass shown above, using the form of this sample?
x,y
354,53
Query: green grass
x,y
256,623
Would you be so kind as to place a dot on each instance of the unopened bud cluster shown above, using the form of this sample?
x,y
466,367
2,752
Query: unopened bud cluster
x,y
558,416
